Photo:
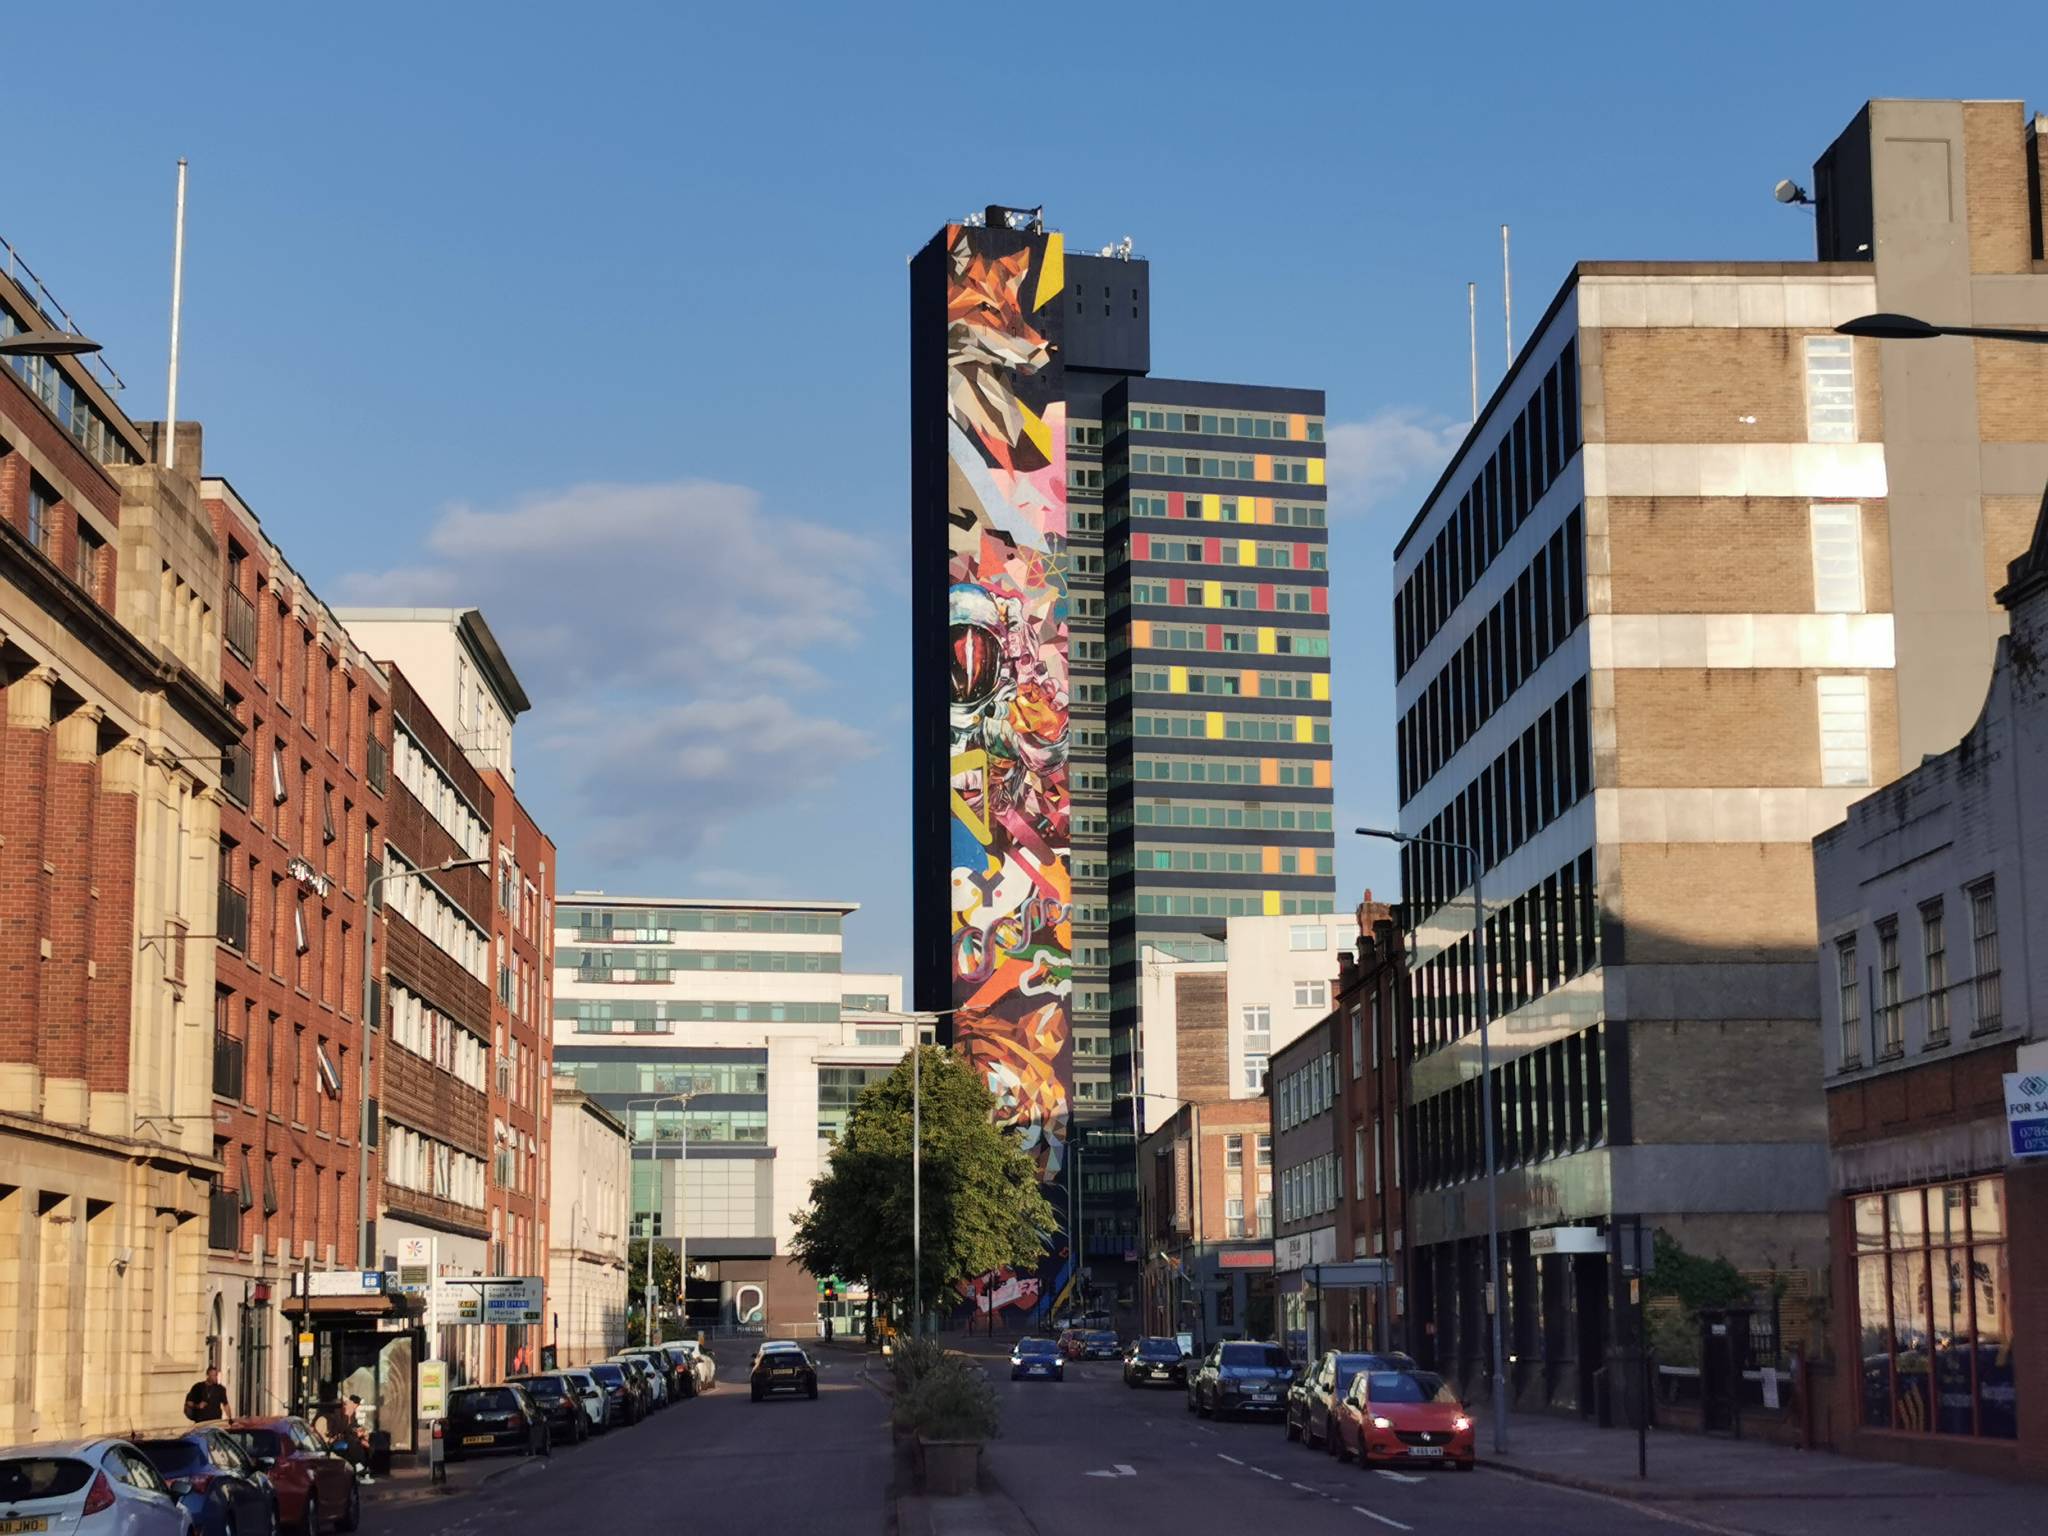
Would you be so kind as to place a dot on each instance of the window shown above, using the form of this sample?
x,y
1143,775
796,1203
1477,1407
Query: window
x,y
1851,993
1934,1310
1830,390
1233,1217
1844,730
1984,958
1254,1072
1934,950
1311,994
1265,1152
300,943
1233,1151
85,557
1375,1165
277,786
1837,558
42,513
1307,936
1358,1156
1891,1039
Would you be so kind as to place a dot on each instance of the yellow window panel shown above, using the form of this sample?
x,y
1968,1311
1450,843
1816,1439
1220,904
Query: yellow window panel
x,y
1319,686
1315,471
1177,680
1269,643
1247,552
1212,594
1213,724
1212,508
1301,728
1272,903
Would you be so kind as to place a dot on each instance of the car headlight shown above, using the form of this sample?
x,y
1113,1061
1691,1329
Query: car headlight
x,y
1461,1423
1380,1422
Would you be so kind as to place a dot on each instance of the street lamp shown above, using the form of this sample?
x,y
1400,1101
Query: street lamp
x,y
308,876
683,1183
1496,1299
46,343
1890,327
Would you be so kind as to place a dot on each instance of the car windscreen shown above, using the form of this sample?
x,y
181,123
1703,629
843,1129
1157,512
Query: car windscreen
x,y
1036,1347
1408,1387
41,1477
1159,1349
174,1458
1101,1338
543,1386
263,1444
1269,1357
483,1400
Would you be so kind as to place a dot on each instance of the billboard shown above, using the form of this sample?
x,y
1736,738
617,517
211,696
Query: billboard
x,y
1010,956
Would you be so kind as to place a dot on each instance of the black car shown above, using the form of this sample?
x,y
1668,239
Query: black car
x,y
566,1419
1155,1363
216,1481
1037,1357
1320,1385
1241,1378
500,1418
784,1370
1100,1344
622,1389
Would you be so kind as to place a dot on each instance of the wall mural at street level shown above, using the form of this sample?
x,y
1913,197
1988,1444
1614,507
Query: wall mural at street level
x,y
1012,888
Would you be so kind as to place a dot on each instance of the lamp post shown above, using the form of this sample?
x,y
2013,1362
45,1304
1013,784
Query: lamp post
x,y
370,1031
46,343
1496,1299
683,1180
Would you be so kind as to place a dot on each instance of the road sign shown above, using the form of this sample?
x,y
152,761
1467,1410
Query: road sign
x,y
416,1265
338,1282
2026,1113
433,1388
493,1300
305,1346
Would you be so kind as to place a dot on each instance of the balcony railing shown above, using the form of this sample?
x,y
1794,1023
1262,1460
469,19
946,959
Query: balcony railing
x,y
231,917
228,1053
223,1220
378,766
238,773
241,626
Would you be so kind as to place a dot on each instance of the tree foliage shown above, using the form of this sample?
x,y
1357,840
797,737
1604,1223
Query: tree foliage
x,y
1695,1281
668,1274
983,1206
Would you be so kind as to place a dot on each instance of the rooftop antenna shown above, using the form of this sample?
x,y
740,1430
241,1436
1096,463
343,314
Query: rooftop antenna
x,y
177,300
1507,295
1472,335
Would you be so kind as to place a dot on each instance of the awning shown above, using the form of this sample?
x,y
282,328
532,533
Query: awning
x,y
396,1304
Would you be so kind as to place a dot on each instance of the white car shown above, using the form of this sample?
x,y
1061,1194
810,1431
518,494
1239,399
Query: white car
x,y
588,1393
702,1361
101,1487
657,1384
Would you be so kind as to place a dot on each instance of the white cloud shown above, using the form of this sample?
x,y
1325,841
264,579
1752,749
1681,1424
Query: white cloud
x,y
1394,449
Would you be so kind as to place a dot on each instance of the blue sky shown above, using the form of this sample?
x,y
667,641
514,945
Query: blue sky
x,y
595,316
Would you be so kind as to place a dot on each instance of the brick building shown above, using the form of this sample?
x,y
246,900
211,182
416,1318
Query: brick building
x,y
1205,1271
1703,572
302,822
1931,995
109,811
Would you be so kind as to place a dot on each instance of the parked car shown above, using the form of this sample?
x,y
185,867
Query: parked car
x,y
314,1483
1155,1363
624,1394
1319,1387
590,1396
674,1384
701,1362
1402,1416
1100,1344
1040,1358
560,1405
1239,1377
784,1370
215,1479
100,1487
651,1378
500,1418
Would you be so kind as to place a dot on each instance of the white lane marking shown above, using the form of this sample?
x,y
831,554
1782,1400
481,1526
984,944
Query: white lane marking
x,y
1383,1520
1304,1487
1231,1459
1273,1475
1399,1477
1123,1469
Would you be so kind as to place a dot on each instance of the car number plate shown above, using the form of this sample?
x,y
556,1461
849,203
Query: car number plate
x,y
1425,1450
476,1439
26,1523
1262,1397
1161,1372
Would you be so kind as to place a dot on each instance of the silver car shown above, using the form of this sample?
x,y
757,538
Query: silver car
x,y
102,1487
588,1393
701,1361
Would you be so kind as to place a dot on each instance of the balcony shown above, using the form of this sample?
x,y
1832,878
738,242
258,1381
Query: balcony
x,y
223,1220
228,1053
238,773
241,627
231,917
378,766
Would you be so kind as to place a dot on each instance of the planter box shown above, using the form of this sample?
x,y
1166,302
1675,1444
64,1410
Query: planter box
x,y
949,1467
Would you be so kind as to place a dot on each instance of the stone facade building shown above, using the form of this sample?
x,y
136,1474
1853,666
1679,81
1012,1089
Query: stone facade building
x,y
590,1179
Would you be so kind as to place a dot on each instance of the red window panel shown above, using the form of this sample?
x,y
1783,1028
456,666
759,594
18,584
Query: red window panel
x,y
1177,593
1176,504
1215,638
1319,599
1212,551
1301,557
1265,597
1139,544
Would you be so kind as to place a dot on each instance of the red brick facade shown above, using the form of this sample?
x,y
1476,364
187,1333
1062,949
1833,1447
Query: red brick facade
x,y
1372,1222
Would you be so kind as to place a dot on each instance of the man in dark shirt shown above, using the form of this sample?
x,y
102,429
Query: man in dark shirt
x,y
208,1399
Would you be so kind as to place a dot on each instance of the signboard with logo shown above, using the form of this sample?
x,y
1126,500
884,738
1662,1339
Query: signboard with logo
x,y
1567,1240
416,1265
338,1282
2026,1113
433,1388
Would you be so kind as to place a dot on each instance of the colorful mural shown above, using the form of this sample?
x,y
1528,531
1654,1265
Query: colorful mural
x,y
1012,889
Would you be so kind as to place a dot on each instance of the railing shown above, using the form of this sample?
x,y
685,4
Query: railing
x,y
23,276
238,773
228,1054
378,766
231,917
223,1220
241,626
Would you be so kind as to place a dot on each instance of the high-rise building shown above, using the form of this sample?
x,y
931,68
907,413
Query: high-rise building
x,y
1121,676
1703,572
745,1006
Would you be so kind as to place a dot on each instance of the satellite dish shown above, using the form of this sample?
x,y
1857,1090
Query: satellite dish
x,y
1789,191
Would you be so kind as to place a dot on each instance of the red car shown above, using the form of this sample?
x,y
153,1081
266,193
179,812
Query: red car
x,y
316,1486
1393,1416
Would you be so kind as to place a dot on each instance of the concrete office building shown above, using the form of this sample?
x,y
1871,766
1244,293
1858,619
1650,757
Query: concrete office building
x,y
590,1182
1702,573
745,1004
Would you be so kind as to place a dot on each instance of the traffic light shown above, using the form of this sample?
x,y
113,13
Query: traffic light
x,y
831,1290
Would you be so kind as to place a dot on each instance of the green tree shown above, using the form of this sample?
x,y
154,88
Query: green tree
x,y
668,1275
983,1205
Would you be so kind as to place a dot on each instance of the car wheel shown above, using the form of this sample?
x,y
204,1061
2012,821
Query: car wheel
x,y
352,1517
309,1522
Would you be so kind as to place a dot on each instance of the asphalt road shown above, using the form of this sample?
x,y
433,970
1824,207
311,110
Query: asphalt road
x,y
715,1463
1089,1455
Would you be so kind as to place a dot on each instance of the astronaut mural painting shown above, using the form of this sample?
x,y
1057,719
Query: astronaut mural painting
x,y
1006,601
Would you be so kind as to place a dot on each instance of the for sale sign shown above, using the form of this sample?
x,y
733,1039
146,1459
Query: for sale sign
x,y
2026,1113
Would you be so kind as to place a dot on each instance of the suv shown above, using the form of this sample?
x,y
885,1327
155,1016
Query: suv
x,y
1240,1377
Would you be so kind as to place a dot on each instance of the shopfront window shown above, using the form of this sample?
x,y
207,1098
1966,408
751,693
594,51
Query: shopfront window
x,y
1934,1304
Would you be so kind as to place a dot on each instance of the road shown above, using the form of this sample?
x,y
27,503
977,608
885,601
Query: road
x,y
1090,1457
715,1463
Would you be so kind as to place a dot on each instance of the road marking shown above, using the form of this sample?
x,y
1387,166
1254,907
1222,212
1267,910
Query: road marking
x,y
1273,1475
1123,1469
1399,1477
1231,1459
1383,1520
1304,1487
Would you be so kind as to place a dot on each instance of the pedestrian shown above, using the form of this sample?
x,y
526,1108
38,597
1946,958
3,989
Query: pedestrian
x,y
351,1442
208,1399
